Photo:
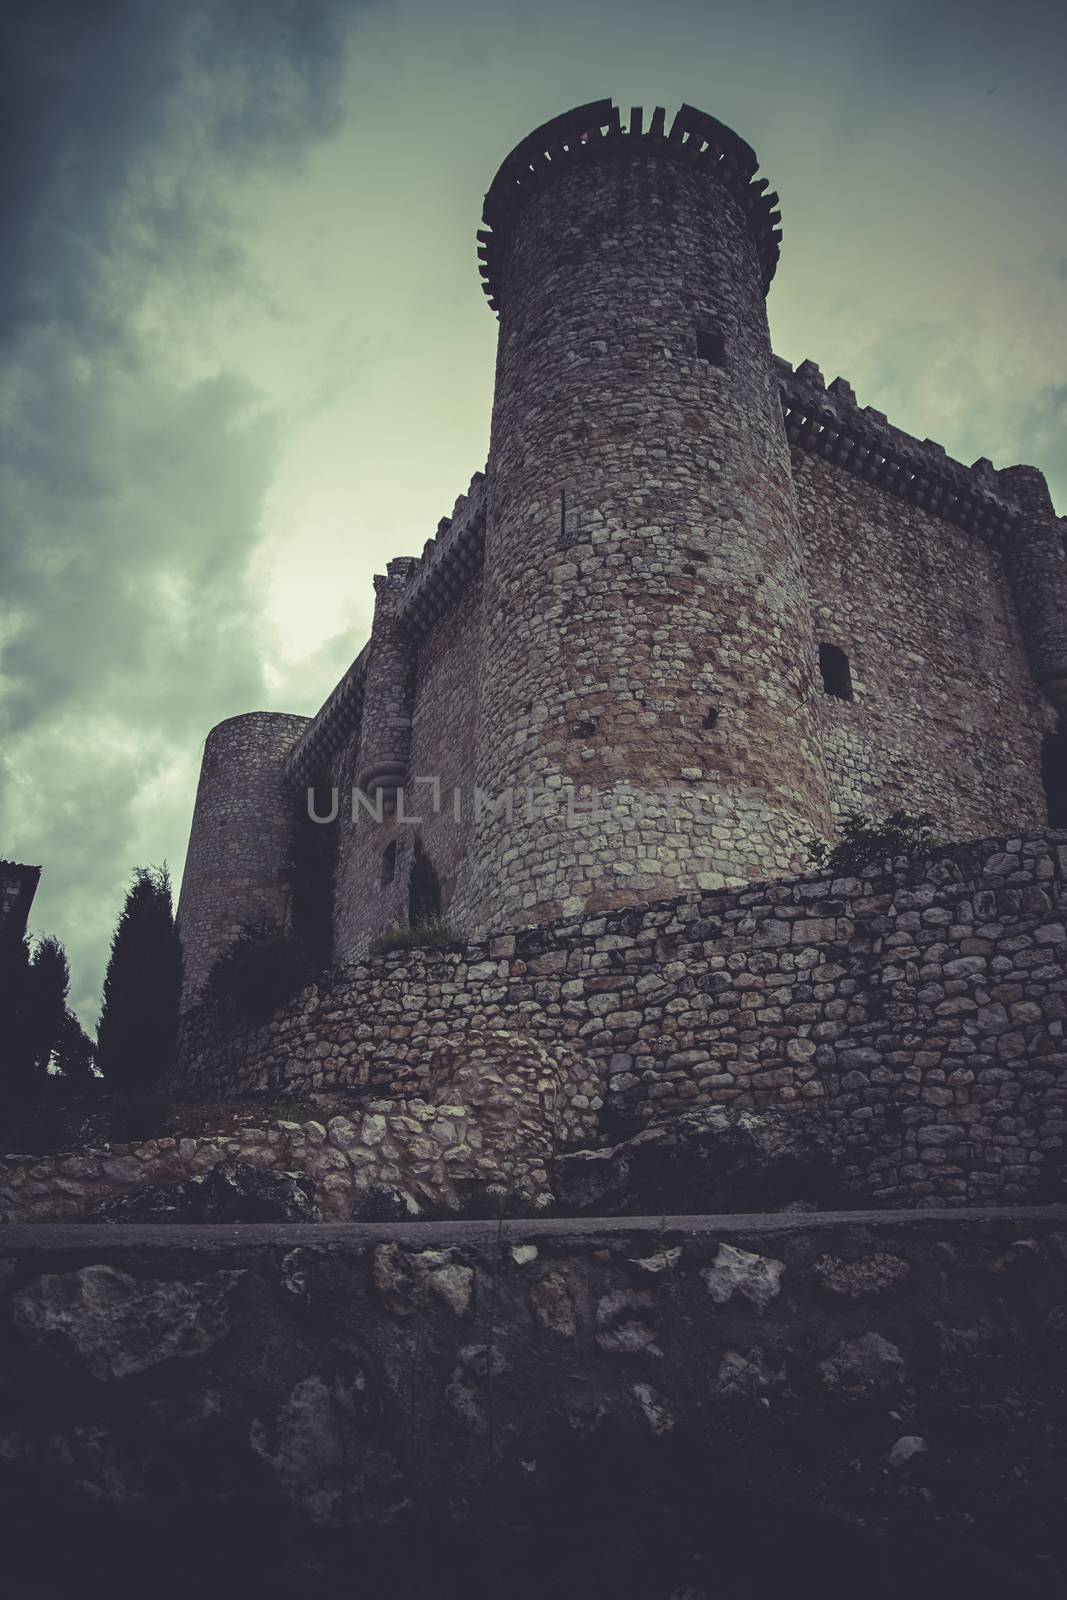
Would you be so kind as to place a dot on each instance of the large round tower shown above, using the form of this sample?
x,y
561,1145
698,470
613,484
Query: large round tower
x,y
239,841
648,658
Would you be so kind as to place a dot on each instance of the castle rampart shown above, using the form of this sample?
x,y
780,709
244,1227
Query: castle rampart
x,y
918,1014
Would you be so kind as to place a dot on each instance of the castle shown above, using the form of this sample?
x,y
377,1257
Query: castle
x,y
698,607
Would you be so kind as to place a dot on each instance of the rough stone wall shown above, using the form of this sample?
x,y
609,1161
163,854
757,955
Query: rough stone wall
x,y
647,623
447,692
922,1010
617,1411
496,1108
945,716
239,841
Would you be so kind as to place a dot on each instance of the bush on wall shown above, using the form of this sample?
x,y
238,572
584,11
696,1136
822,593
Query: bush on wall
x,y
902,835
260,971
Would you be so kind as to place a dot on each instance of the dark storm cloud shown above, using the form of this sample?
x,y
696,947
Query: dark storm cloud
x,y
130,496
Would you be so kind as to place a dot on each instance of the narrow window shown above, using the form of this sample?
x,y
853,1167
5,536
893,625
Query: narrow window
x,y
836,674
712,717
1054,777
569,520
424,889
711,346
388,864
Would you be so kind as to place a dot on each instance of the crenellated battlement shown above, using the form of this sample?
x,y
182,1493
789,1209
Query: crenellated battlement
x,y
432,584
826,420
595,132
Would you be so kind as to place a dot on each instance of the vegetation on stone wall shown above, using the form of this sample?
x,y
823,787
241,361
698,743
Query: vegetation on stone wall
x,y
423,935
902,835
142,987
262,969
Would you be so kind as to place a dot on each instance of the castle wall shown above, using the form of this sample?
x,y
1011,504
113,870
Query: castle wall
x,y
946,715
444,735
443,719
920,1012
239,841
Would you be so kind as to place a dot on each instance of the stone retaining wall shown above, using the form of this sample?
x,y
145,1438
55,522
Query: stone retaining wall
x,y
611,1410
923,1009
493,1114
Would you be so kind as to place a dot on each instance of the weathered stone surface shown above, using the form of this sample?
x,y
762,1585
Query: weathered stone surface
x,y
874,1274
756,1279
585,1427
908,1035
114,1325
867,1366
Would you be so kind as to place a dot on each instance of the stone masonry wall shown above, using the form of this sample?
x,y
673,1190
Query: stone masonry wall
x,y
946,716
921,1010
495,1110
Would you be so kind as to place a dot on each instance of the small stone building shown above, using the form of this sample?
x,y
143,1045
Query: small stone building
x,y
698,606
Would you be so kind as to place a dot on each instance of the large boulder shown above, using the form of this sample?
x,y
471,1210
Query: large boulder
x,y
230,1191
712,1159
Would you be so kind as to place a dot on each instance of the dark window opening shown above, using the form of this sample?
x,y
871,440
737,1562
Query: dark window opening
x,y
836,673
711,346
424,889
1054,776
388,864
712,717
569,520
584,728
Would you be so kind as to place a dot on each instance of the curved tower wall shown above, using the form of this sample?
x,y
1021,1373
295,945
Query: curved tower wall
x,y
1038,571
647,626
239,841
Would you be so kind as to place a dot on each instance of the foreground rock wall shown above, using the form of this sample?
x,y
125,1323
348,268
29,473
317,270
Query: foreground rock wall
x,y
595,1409
922,1012
494,1115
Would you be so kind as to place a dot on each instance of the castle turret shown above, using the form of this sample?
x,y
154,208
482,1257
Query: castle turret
x,y
240,839
1038,568
385,732
646,626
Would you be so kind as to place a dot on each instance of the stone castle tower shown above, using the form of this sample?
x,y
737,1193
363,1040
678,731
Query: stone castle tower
x,y
698,606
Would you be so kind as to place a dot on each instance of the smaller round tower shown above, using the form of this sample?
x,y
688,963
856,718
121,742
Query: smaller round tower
x,y
239,840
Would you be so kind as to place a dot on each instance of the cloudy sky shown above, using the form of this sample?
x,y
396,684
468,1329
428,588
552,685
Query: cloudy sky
x,y
245,358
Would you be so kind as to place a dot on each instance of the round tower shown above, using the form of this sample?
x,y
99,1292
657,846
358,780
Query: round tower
x,y
1038,574
239,841
648,658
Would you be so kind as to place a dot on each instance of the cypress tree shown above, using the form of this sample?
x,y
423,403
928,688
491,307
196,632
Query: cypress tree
x,y
142,988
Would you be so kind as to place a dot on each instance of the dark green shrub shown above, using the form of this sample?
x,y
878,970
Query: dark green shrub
x,y
430,934
142,987
903,834
140,1112
260,971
